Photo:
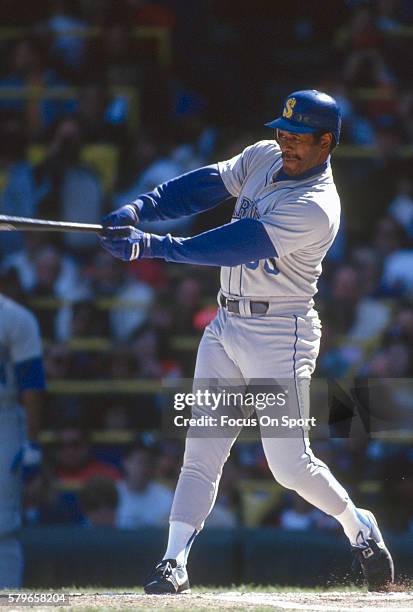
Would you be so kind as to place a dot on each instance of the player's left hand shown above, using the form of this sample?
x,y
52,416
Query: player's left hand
x,y
123,216
28,459
125,243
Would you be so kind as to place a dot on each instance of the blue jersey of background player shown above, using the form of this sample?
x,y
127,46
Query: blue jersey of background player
x,y
285,219
22,386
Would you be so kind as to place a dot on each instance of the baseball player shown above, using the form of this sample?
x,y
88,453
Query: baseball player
x,y
21,396
285,219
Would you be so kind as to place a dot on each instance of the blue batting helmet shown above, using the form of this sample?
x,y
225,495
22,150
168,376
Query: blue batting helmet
x,y
308,111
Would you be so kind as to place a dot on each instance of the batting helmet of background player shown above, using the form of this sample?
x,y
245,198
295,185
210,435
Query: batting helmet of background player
x,y
308,111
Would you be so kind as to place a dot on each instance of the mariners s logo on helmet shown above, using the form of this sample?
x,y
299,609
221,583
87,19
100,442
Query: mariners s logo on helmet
x,y
288,108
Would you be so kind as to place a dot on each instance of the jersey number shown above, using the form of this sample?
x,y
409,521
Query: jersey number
x,y
270,265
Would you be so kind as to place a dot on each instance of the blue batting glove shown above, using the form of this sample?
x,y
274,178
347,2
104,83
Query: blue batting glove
x,y
125,243
125,215
28,459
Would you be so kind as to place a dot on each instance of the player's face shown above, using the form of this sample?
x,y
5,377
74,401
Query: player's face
x,y
301,152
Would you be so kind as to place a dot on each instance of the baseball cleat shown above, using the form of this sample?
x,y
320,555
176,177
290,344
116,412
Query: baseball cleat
x,y
167,578
374,558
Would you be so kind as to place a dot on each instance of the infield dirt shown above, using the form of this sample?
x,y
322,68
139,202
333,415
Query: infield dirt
x,y
277,601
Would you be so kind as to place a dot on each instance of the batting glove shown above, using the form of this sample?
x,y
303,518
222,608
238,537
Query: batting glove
x,y
126,243
28,459
126,215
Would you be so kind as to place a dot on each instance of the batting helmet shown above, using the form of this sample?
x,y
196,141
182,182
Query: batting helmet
x,y
308,111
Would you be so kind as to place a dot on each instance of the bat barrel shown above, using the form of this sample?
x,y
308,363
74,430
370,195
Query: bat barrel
x,y
10,223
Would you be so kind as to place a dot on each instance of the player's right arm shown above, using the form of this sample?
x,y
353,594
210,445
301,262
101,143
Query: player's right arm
x,y
186,195
26,355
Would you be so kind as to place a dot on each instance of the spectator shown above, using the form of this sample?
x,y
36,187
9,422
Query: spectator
x,y
24,262
392,243
67,29
19,193
131,298
387,18
171,162
95,116
387,238
28,68
402,326
58,362
298,515
56,278
43,504
372,314
116,416
98,502
71,184
354,318
120,65
401,207
406,114
397,277
123,362
153,355
10,285
168,467
361,31
143,502
187,301
393,361
88,320
367,68
75,463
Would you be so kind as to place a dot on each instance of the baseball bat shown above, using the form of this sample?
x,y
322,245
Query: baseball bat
x,y
17,224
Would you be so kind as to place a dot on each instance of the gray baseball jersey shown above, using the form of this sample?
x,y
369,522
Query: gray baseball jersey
x,y
301,217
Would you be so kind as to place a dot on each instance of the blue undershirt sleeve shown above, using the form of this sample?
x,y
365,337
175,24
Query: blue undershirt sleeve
x,y
185,195
30,374
233,244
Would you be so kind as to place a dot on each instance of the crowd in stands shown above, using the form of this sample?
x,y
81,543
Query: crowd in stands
x,y
101,101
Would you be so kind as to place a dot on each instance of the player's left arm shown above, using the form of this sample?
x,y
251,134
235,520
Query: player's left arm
x,y
232,244
185,195
188,194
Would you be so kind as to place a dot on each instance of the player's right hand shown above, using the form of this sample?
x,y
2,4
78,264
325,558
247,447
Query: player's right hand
x,y
125,243
125,215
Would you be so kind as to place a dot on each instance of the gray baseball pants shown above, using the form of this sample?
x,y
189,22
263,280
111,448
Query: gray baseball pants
x,y
239,349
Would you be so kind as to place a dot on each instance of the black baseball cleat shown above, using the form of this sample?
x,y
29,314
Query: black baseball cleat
x,y
374,558
167,579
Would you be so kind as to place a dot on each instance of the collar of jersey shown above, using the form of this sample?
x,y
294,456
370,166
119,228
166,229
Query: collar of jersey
x,y
282,176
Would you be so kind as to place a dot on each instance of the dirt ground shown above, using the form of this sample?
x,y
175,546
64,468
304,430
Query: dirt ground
x,y
331,601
